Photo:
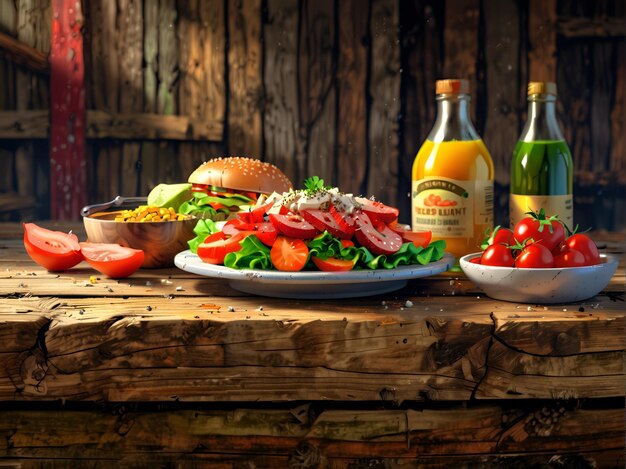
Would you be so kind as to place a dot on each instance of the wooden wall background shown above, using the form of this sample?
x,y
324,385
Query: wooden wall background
x,y
343,89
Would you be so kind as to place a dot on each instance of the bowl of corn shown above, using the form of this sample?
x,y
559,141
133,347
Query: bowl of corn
x,y
158,231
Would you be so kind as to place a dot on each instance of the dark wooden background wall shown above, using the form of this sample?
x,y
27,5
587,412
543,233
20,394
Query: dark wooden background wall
x,y
343,89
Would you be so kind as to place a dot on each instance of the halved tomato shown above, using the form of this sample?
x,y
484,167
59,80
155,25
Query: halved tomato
x,y
377,211
380,239
265,231
289,254
332,264
293,225
217,245
53,250
324,220
112,260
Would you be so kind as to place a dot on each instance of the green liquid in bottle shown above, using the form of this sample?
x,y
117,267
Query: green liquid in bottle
x,y
542,167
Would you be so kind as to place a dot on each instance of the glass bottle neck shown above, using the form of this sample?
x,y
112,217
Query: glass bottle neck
x,y
541,123
453,120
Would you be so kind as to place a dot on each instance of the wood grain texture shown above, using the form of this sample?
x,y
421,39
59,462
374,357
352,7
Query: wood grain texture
x,y
130,36
603,61
460,38
284,145
352,70
501,126
245,78
618,116
542,24
23,55
422,65
7,99
384,90
480,436
317,88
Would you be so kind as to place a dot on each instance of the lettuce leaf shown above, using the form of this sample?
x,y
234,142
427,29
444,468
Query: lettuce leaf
x,y
252,255
203,228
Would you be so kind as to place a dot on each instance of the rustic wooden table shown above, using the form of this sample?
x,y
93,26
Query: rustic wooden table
x,y
171,369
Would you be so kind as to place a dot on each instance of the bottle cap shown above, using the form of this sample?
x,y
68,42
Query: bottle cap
x,y
452,86
542,87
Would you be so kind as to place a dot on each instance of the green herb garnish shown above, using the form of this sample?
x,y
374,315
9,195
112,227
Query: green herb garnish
x,y
315,184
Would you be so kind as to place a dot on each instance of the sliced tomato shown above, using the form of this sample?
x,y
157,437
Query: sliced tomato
x,y
112,260
53,250
332,264
255,215
217,245
347,243
324,220
289,254
418,238
293,226
377,211
380,239
265,231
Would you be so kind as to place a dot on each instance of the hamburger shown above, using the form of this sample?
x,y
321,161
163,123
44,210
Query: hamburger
x,y
223,186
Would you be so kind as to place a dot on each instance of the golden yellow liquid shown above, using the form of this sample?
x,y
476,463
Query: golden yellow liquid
x,y
467,160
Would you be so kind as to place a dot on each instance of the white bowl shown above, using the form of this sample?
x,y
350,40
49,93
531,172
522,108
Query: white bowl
x,y
547,286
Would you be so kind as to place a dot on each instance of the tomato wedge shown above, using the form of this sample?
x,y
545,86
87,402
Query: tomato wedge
x,y
217,245
380,239
325,220
53,250
265,231
293,226
332,264
289,254
377,211
112,260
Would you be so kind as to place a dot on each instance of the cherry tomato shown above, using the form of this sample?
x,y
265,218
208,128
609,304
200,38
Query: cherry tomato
x,y
534,256
289,254
502,236
569,258
377,211
53,250
112,260
497,255
332,264
550,234
325,220
475,260
265,231
293,226
584,244
380,239
217,245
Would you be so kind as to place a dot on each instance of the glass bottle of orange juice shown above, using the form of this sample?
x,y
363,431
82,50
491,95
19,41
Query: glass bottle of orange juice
x,y
452,193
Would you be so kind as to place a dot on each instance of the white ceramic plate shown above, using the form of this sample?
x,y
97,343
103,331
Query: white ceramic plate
x,y
313,284
543,286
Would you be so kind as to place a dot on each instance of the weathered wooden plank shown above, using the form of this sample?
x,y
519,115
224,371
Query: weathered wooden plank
x,y
460,38
422,65
317,88
384,89
485,436
502,44
23,55
284,145
130,36
245,80
618,114
580,27
602,76
7,99
542,25
68,176
109,125
352,65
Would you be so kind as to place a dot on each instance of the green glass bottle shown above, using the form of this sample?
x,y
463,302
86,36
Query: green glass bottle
x,y
541,167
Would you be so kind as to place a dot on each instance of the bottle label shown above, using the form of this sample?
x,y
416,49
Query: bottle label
x,y
450,208
561,205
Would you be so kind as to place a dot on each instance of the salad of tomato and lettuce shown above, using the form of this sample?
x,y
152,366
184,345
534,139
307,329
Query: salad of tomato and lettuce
x,y
316,228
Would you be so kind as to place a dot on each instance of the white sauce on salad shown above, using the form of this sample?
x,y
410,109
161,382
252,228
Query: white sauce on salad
x,y
299,200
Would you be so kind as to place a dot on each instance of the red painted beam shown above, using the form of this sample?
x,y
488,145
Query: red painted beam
x,y
68,172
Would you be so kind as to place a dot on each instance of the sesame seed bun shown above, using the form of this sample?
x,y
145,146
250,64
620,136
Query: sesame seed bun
x,y
243,174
